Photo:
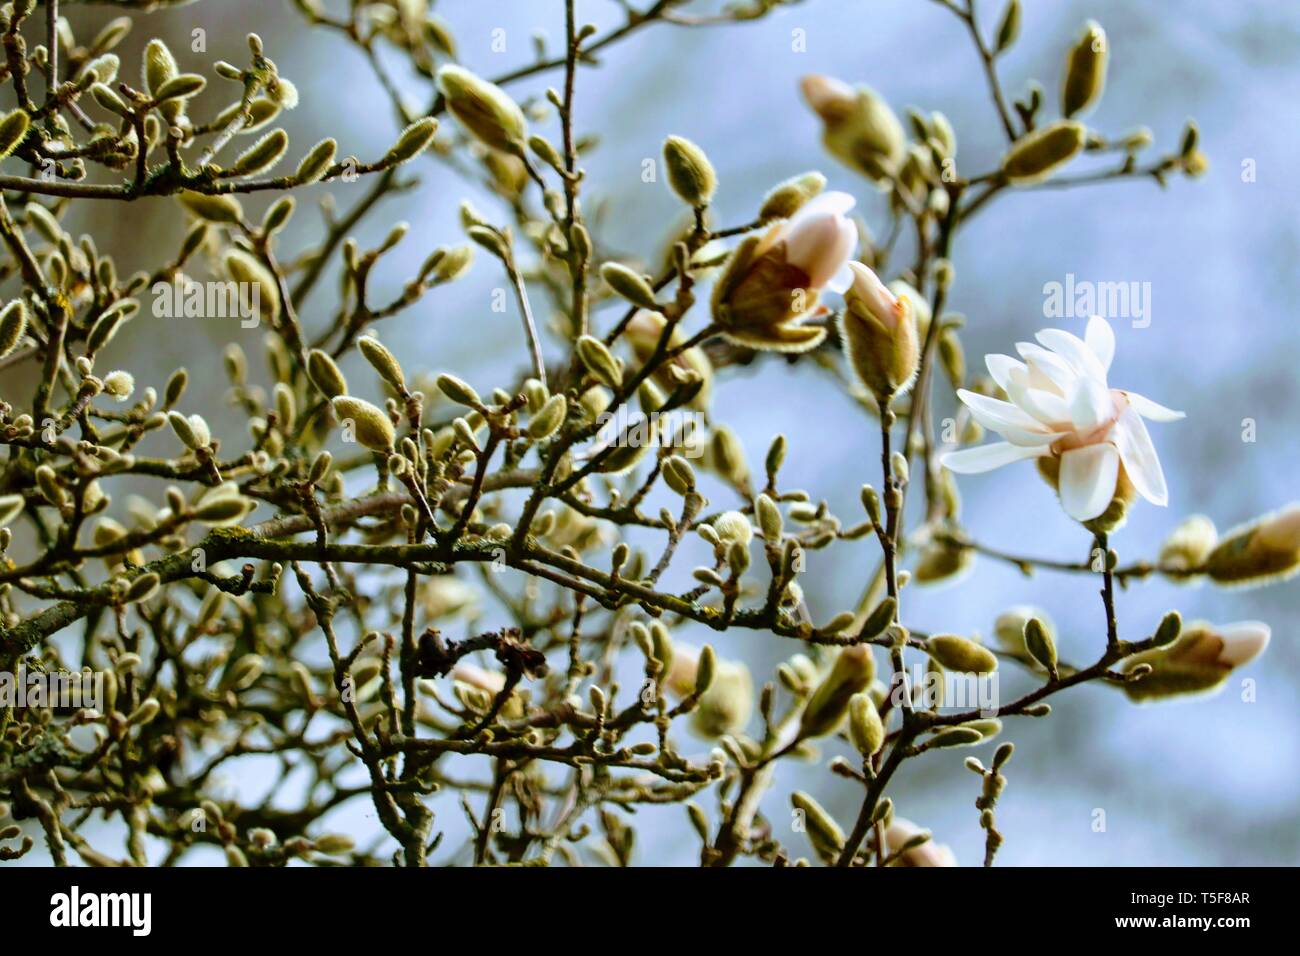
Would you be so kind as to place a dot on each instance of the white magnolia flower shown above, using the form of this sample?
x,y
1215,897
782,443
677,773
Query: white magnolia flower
x,y
1062,407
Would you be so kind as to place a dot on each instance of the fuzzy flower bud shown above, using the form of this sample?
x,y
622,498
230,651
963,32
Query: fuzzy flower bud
x,y
961,654
773,282
373,429
1085,71
1189,545
859,128
483,108
1035,156
852,673
1266,549
880,334
689,171
1200,660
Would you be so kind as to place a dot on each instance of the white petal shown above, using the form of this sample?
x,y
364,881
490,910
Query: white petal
x,y
1092,405
1087,482
993,412
1048,407
842,280
1152,410
1000,367
1242,642
972,461
1050,366
1139,456
1072,348
1100,337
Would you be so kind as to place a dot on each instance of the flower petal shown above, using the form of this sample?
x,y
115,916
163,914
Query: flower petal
x,y
842,281
1000,368
1152,410
1242,642
1050,366
1087,481
1073,349
1048,407
1139,455
1092,405
993,413
972,461
1100,337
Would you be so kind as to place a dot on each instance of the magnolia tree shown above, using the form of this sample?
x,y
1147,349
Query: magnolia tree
x,y
293,593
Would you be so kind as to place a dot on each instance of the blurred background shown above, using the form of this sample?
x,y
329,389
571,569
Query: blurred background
x,y
1202,781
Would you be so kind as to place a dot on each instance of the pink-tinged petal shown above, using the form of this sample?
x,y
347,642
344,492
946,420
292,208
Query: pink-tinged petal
x,y
820,247
1139,456
1072,348
972,461
1152,410
1100,337
1242,642
1000,368
1092,405
1051,367
1087,480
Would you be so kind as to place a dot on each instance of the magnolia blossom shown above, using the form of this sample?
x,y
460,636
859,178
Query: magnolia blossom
x,y
773,281
1226,645
1062,407
928,853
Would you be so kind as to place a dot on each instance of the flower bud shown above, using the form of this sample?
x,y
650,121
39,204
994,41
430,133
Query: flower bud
x,y
1266,549
643,333
880,335
373,429
733,527
824,833
599,361
787,198
942,561
629,284
1039,644
11,506
1189,545
224,209
483,108
325,374
960,654
316,163
458,391
774,281
679,475
548,418
769,518
1035,156
13,130
1199,660
1085,71
690,173
13,324
726,707
914,846
866,729
852,672
382,361
859,128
